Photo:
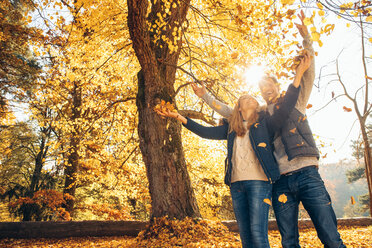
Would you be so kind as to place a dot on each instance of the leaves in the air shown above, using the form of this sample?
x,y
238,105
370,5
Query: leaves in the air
x,y
346,109
282,198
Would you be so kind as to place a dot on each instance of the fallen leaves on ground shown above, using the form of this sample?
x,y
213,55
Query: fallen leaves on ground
x,y
205,234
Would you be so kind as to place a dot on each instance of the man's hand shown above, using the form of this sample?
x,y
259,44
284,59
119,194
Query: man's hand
x,y
199,91
302,27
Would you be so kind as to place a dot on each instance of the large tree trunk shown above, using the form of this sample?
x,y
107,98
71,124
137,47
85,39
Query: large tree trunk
x,y
73,158
160,144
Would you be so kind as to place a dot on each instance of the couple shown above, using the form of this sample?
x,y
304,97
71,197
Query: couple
x,y
272,153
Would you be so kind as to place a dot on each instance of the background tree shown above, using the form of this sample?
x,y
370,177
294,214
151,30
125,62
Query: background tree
x,y
359,14
18,68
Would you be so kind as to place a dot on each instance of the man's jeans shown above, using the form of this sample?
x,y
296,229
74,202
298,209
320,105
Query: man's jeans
x,y
251,211
306,186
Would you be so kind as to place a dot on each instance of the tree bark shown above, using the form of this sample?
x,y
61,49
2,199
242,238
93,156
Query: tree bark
x,y
368,163
72,167
160,140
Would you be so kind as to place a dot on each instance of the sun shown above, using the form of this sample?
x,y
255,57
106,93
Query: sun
x,y
254,74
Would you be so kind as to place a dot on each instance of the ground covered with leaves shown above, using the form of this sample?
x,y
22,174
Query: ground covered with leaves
x,y
190,233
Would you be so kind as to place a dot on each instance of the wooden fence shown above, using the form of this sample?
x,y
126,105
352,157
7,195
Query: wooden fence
x,y
64,229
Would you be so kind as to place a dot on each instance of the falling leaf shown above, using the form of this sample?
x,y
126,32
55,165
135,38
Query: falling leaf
x,y
309,106
293,130
302,143
352,200
369,18
333,94
315,36
346,109
267,201
307,21
304,118
282,198
325,155
256,124
262,144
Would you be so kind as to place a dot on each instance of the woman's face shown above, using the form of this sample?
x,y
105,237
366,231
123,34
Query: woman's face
x,y
247,102
269,90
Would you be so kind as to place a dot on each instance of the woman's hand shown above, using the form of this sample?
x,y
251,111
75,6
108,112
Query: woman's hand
x,y
167,113
199,91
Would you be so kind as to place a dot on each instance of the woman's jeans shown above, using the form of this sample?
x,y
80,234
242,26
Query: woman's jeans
x,y
305,186
251,211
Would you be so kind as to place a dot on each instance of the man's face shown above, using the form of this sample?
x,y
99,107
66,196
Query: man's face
x,y
269,90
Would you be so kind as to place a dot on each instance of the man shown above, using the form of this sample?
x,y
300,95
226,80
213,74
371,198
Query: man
x,y
297,156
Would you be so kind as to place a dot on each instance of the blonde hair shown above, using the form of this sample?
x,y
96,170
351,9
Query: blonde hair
x,y
236,119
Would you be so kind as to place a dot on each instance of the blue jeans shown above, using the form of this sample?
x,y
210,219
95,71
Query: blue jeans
x,y
251,211
308,187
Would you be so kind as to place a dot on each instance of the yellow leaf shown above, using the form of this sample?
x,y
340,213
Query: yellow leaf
x,y
370,40
307,21
284,2
315,36
267,201
321,12
282,198
320,6
262,144
369,18
348,25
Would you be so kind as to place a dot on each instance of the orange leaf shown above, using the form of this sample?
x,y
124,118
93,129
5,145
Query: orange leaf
x,y
325,155
309,106
303,119
262,145
293,130
346,109
282,198
267,201
234,55
301,144
352,200
256,124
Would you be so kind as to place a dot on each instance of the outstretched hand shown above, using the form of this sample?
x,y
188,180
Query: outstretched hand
x,y
199,91
167,113
302,28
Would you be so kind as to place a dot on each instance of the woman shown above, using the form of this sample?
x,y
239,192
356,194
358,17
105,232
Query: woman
x,y
251,167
